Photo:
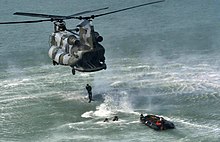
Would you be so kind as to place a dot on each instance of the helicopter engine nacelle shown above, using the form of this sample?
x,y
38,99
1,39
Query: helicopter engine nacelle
x,y
72,40
64,40
98,37
58,55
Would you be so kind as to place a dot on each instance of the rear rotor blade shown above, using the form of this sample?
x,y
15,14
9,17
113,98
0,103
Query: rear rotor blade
x,y
89,11
111,12
60,18
128,8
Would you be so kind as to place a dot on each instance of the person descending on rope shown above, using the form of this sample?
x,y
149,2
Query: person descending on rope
x,y
89,90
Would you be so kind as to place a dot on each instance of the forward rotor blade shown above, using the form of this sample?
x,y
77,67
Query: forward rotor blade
x,y
19,22
39,15
111,12
58,17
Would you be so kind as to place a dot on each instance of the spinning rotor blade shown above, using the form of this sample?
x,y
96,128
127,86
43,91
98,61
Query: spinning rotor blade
x,y
56,17
89,11
111,12
38,15
19,22
128,8
51,17
61,18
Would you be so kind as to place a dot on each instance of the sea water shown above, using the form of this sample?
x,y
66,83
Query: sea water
x,y
162,59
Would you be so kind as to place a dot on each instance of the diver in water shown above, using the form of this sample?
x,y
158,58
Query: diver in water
x,y
105,120
89,90
115,118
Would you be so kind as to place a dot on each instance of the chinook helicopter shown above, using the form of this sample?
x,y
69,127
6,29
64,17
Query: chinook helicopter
x,y
80,47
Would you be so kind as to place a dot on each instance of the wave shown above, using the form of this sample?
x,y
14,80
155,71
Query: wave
x,y
188,123
14,82
113,104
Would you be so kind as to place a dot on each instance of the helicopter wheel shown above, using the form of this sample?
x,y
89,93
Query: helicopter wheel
x,y
55,63
73,71
105,67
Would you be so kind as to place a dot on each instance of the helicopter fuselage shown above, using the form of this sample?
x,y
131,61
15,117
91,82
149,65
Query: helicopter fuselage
x,y
80,51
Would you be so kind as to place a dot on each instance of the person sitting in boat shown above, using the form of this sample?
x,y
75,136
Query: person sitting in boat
x,y
162,123
158,123
142,119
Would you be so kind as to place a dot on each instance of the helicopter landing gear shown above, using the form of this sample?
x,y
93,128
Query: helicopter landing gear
x,y
55,63
105,67
73,71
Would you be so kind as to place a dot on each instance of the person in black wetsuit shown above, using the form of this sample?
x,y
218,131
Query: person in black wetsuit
x,y
105,120
115,118
142,118
89,90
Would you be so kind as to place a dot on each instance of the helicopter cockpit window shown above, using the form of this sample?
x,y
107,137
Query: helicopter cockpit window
x,y
61,27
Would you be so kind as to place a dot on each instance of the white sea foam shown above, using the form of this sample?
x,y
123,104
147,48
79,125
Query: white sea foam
x,y
103,110
14,82
194,124
111,106
116,83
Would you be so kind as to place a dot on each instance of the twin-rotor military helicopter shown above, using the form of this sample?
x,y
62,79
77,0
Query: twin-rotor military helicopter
x,y
80,47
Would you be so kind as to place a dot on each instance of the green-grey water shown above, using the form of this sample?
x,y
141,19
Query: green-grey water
x,y
162,59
